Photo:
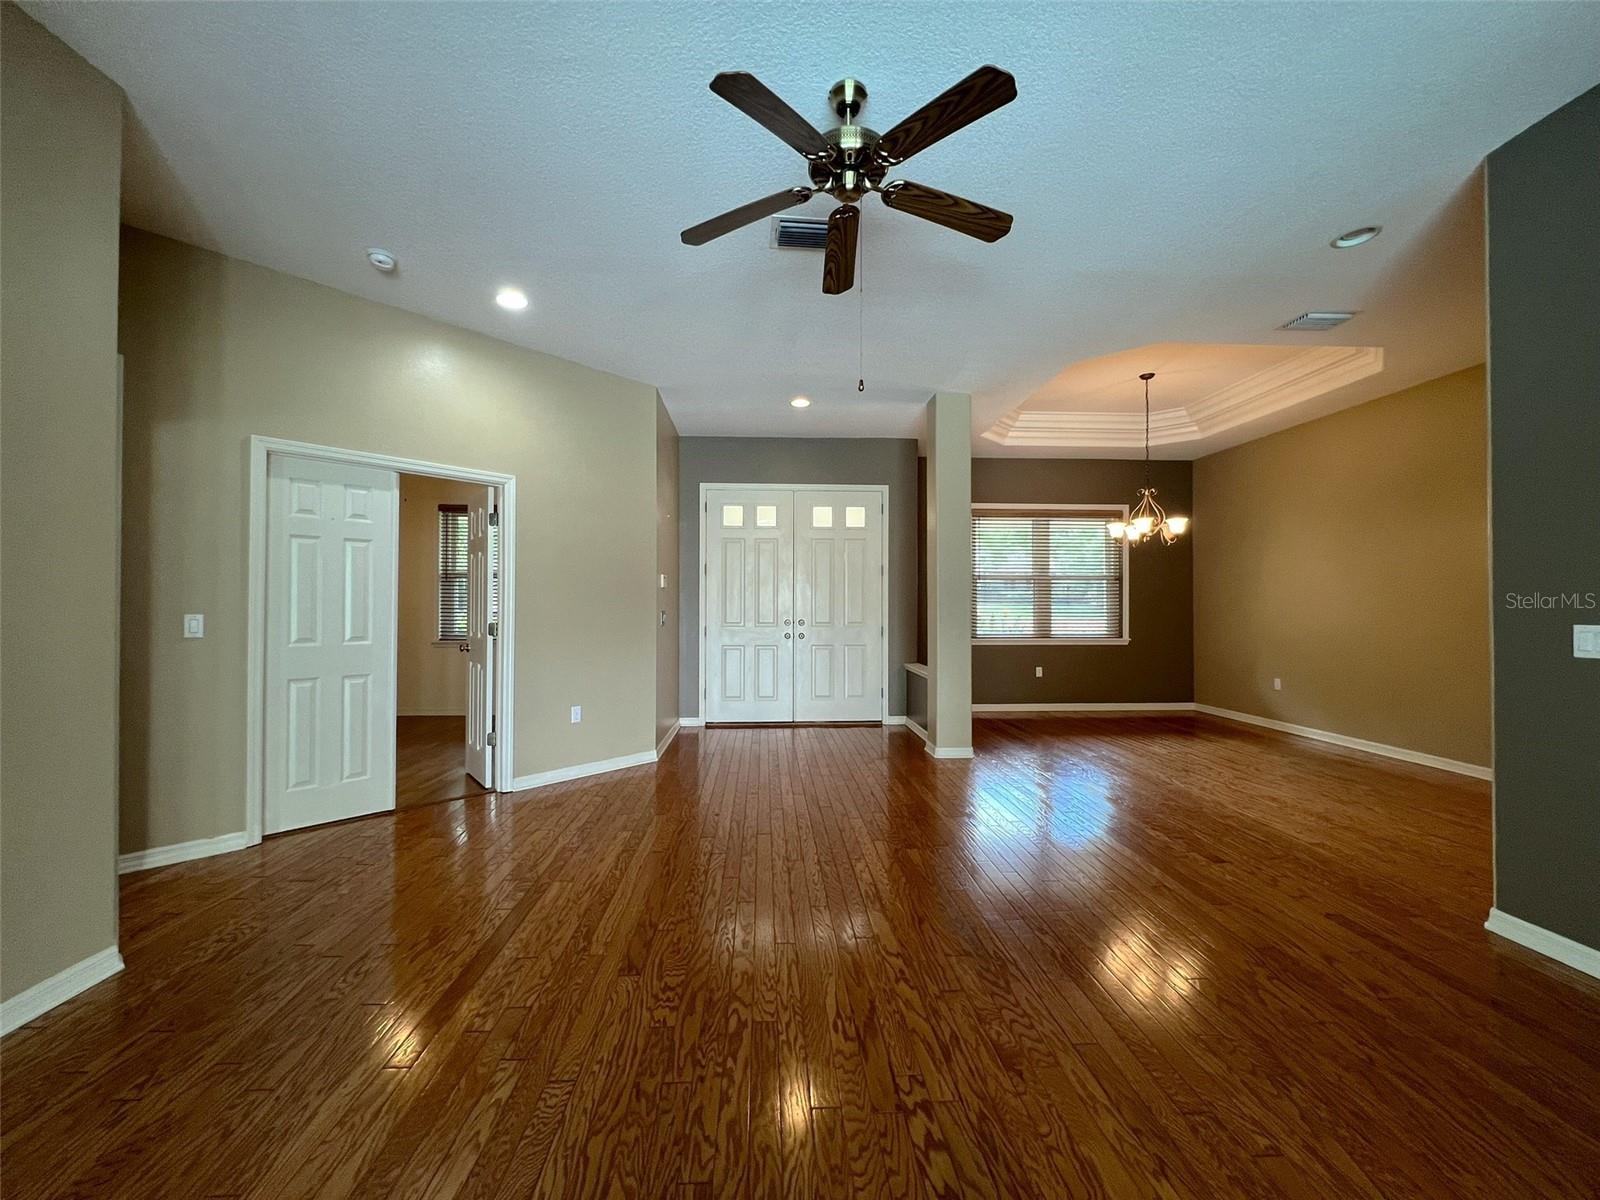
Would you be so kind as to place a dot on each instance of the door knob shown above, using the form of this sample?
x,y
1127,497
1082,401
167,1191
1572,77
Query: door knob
x,y
786,636
802,637
802,620
786,620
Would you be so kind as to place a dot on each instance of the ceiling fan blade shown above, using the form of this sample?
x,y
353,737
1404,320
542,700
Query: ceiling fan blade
x,y
978,95
953,212
839,257
735,218
758,102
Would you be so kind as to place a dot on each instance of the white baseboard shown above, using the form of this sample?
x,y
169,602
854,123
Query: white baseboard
x,y
581,771
691,722
661,746
894,719
1353,743
1132,707
58,989
431,712
917,729
1539,939
947,751
165,856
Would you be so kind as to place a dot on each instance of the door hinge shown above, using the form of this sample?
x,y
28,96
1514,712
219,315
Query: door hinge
x,y
491,740
494,629
494,518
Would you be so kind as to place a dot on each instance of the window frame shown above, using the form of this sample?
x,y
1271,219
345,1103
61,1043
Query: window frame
x,y
461,510
1106,510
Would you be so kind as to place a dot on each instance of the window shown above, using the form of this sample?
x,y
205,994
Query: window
x,y
1042,575
453,535
454,602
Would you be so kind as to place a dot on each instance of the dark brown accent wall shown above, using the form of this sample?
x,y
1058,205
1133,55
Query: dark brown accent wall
x,y
888,461
1157,665
1544,437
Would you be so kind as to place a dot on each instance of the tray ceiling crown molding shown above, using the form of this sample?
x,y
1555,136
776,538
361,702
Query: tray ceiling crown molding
x,y
1303,376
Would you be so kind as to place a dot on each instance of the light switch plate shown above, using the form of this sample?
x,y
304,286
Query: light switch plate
x,y
1586,641
663,581
577,713
194,625
1038,672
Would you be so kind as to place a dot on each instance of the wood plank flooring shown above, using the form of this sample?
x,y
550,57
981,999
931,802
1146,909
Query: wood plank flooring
x,y
430,761
1167,957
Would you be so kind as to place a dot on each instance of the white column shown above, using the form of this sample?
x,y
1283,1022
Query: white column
x,y
950,575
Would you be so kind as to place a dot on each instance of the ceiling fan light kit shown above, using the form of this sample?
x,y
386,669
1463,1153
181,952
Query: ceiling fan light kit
x,y
851,160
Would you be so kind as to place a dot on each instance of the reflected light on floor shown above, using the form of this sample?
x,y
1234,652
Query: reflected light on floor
x,y
1077,812
1153,977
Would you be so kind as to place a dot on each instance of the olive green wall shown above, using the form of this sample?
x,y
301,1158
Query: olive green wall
x,y
217,350
60,169
1544,414
1348,557
1157,664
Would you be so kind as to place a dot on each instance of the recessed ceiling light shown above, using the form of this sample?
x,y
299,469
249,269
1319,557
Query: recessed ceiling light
x,y
382,259
1356,237
800,402
511,299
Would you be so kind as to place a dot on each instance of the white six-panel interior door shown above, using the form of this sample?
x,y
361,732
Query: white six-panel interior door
x,y
793,588
330,665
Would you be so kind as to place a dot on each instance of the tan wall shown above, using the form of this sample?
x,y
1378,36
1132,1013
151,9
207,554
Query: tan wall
x,y
60,166
216,350
432,676
666,564
1349,557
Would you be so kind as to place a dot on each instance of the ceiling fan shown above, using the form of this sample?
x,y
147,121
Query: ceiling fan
x,y
851,160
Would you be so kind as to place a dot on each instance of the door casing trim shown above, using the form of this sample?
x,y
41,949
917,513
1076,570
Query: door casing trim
x,y
504,697
882,490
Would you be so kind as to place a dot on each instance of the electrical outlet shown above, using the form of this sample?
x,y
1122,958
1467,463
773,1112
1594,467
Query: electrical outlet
x,y
1277,685
577,713
1038,672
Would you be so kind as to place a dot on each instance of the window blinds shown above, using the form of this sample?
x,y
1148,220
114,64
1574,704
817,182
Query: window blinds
x,y
453,573
1039,575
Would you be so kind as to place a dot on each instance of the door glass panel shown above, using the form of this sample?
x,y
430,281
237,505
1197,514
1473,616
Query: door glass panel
x,y
767,516
732,516
855,516
822,516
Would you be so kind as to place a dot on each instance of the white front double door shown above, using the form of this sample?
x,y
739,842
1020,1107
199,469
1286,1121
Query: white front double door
x,y
793,585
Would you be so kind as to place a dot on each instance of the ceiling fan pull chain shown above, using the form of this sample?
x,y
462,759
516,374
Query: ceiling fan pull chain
x,y
861,305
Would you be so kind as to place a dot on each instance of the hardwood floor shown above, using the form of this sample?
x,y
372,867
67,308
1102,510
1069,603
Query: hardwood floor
x,y
430,761
1135,957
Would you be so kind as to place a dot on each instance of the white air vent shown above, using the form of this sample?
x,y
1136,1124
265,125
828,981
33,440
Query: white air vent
x,y
799,233
1316,322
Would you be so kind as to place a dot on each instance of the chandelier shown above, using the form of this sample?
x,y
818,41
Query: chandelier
x,y
1148,519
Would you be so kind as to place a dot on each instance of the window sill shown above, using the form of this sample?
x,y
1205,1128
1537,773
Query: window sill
x,y
1061,641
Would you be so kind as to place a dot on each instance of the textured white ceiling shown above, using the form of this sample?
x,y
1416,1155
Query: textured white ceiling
x,y
1176,172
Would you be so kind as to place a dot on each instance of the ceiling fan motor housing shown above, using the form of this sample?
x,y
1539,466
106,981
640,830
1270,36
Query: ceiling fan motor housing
x,y
851,170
